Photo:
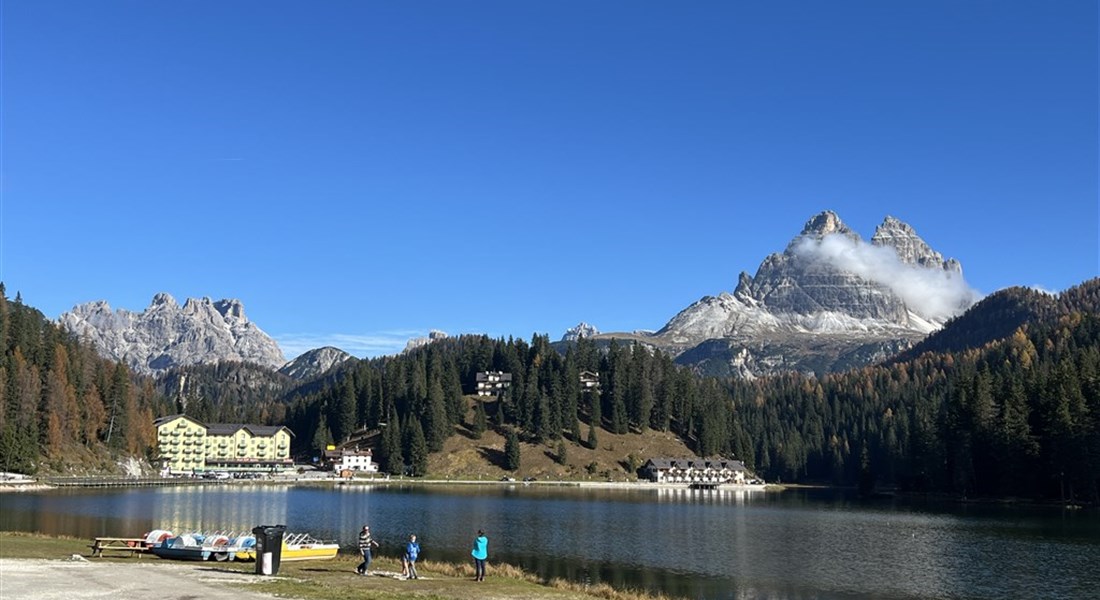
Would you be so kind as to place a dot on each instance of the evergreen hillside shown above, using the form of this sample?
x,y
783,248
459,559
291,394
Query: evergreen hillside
x,y
995,317
60,403
228,392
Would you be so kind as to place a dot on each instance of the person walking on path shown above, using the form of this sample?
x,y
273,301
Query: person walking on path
x,y
412,550
480,554
366,543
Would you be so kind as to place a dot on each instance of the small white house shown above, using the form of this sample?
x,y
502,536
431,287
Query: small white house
x,y
350,459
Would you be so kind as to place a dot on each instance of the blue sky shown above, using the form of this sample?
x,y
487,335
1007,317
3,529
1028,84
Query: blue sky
x,y
357,173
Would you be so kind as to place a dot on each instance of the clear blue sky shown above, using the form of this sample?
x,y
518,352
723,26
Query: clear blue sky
x,y
357,173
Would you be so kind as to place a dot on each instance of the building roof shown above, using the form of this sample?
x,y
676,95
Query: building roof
x,y
484,375
695,463
226,428
334,454
170,418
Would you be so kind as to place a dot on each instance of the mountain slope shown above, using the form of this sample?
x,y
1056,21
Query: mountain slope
x,y
830,301
315,363
995,317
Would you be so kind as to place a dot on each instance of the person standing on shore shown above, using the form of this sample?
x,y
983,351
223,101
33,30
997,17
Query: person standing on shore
x,y
480,554
412,550
366,543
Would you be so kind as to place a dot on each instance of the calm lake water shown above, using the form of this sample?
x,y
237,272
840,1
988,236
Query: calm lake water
x,y
696,544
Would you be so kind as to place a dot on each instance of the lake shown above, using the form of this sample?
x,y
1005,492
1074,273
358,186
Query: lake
x,y
690,543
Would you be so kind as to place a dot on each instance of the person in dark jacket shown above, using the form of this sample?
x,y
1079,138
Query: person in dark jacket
x,y
412,551
366,543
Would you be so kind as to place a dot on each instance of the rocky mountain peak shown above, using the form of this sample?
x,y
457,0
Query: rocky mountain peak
x,y
823,224
911,249
161,299
166,335
230,309
581,330
315,363
830,298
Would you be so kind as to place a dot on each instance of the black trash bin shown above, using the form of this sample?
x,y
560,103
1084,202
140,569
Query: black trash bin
x,y
269,548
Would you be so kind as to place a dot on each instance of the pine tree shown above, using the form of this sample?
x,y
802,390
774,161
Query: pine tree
x,y
571,394
321,437
452,387
121,398
480,423
416,448
540,419
345,408
595,408
436,422
501,409
391,446
616,394
511,451
560,456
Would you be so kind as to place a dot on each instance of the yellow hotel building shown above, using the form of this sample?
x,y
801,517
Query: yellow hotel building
x,y
189,446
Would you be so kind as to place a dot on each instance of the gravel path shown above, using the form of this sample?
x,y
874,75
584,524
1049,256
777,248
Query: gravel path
x,y
83,580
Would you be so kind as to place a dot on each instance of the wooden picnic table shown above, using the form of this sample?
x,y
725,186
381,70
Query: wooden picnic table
x,y
131,546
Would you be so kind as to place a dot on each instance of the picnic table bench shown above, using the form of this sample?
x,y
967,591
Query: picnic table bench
x,y
131,546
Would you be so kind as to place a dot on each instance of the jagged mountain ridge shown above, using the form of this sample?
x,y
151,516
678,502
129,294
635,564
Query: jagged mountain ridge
x,y
829,301
166,335
581,330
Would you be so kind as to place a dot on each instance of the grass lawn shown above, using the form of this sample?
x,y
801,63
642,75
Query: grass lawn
x,y
336,579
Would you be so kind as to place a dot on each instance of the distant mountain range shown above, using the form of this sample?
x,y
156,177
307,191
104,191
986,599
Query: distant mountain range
x,y
166,335
827,302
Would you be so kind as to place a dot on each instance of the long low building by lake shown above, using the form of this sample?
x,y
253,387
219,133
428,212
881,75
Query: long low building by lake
x,y
695,470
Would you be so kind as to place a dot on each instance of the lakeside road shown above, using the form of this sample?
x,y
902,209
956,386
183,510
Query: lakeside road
x,y
47,579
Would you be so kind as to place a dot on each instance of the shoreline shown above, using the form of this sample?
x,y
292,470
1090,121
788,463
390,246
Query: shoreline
x,y
38,485
34,485
47,566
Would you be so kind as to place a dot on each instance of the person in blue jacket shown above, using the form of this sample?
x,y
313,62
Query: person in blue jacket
x,y
412,550
480,554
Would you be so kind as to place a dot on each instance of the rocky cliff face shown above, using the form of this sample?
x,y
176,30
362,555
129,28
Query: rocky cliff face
x,y
433,336
581,330
315,363
166,335
829,301
910,248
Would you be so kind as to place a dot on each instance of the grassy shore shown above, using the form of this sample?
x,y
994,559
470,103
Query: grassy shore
x,y
336,579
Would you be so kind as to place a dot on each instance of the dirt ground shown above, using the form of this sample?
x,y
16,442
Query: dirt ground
x,y
41,579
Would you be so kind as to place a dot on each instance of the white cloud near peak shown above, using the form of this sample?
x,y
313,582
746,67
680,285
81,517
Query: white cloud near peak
x,y
932,293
